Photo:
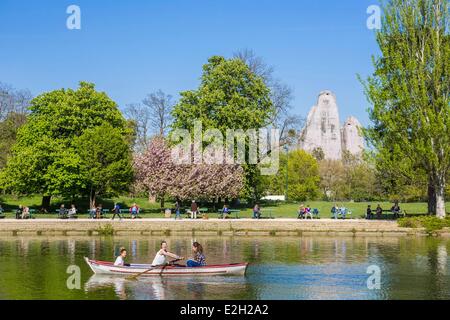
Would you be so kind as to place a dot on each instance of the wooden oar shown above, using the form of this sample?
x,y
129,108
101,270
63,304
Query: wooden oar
x,y
134,277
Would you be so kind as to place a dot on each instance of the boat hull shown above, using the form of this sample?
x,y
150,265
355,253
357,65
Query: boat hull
x,y
102,267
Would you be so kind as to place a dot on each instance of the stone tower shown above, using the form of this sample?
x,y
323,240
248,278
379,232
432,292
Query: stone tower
x,y
352,139
323,129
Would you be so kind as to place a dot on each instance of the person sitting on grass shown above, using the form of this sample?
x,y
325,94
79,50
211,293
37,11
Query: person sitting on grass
x,y
199,259
161,256
120,260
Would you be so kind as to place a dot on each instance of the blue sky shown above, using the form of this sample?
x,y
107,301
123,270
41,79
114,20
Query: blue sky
x,y
130,48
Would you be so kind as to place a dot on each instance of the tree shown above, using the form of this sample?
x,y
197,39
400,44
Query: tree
x,y
157,174
13,114
281,96
155,170
105,159
410,92
230,96
151,118
44,159
303,177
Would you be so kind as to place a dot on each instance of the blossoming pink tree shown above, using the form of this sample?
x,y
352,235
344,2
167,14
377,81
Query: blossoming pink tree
x,y
158,175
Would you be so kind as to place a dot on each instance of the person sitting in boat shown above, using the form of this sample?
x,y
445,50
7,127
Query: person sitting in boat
x,y
162,254
120,260
199,259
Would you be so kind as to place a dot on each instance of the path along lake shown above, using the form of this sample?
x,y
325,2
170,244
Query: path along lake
x,y
281,268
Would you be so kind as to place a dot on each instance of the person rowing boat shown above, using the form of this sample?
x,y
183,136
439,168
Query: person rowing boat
x,y
161,256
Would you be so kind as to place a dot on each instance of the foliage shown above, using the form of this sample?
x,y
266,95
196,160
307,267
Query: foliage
x,y
45,159
160,176
106,230
410,93
430,223
230,96
105,161
302,177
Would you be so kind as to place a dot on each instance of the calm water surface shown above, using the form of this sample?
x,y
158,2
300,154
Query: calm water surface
x,y
280,268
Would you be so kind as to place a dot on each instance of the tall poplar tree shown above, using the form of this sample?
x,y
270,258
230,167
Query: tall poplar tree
x,y
410,92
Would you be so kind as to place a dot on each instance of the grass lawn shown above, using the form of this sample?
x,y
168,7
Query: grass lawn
x,y
152,210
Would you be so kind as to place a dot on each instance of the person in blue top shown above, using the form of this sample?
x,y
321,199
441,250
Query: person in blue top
x,y
225,211
1,210
116,211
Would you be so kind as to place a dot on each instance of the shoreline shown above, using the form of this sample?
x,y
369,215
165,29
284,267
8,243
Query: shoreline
x,y
212,227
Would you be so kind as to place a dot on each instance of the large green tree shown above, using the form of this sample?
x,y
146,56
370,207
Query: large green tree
x,y
105,161
45,159
230,96
410,92
302,179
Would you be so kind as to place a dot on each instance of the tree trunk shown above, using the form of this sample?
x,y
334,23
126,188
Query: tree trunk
x,y
92,199
431,199
162,203
46,202
440,197
151,198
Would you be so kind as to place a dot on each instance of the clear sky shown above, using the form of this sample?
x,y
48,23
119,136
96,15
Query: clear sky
x,y
130,48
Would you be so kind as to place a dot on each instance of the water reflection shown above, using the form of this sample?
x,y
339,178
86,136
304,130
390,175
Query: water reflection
x,y
281,268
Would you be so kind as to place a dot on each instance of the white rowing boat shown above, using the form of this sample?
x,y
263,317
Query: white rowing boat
x,y
103,267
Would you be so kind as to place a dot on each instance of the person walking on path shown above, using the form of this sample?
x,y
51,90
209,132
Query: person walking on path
x,y
116,211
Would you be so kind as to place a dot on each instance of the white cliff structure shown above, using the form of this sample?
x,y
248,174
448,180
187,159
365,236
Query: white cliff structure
x,y
323,130
352,140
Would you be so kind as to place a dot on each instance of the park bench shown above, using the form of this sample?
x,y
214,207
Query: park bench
x,y
387,213
92,214
347,214
266,213
236,213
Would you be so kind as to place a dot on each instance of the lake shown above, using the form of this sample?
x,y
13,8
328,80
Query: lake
x,y
281,268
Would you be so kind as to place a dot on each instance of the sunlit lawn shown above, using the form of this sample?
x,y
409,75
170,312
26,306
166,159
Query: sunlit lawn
x,y
152,210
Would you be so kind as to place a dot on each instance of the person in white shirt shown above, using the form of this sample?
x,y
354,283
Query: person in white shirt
x,y
162,254
120,260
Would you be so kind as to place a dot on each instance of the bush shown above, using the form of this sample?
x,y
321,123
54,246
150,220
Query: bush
x,y
106,230
430,223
